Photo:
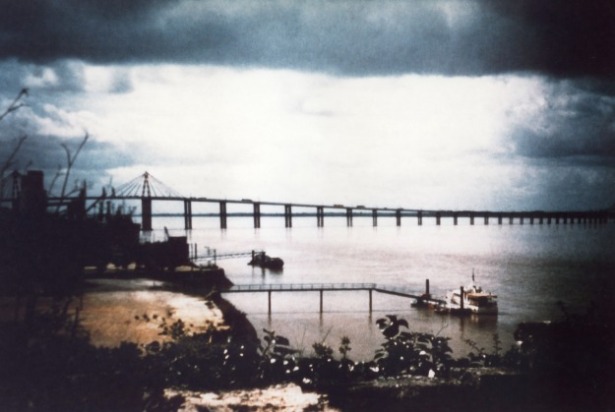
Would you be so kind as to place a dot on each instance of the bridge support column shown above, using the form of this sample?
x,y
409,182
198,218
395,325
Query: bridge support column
x,y
419,216
472,218
370,301
398,217
257,215
531,219
510,219
269,302
288,216
374,217
321,293
499,219
521,219
348,216
146,213
223,215
438,217
187,214
486,218
320,216
455,216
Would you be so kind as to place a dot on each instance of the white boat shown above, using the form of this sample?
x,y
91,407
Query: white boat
x,y
471,299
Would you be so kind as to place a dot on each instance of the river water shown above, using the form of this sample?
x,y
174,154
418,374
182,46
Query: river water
x,y
529,267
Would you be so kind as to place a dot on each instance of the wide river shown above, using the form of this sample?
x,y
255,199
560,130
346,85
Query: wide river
x,y
529,267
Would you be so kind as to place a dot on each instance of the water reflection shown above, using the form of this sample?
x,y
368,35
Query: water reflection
x,y
132,310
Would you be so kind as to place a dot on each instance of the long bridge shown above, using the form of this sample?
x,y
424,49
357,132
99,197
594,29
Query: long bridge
x,y
146,189
323,287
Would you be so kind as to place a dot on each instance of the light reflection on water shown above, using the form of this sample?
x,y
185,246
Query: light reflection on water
x,y
133,310
530,267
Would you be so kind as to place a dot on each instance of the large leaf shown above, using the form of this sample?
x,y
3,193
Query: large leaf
x,y
281,340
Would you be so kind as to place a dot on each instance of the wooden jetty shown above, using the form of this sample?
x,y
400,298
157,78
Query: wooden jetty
x,y
322,287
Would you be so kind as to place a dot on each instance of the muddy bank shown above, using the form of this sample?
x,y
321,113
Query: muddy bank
x,y
286,397
115,308
234,319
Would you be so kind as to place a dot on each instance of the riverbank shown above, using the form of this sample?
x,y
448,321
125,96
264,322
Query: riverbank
x,y
185,278
120,304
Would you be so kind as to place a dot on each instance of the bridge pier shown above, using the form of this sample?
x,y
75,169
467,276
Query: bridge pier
x,y
223,215
321,293
374,217
531,219
486,218
398,217
419,216
472,218
269,303
370,301
455,216
146,213
257,215
320,216
499,219
187,214
288,216
438,216
349,216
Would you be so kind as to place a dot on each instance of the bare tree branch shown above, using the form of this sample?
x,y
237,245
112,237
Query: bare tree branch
x,y
7,163
16,104
70,161
55,178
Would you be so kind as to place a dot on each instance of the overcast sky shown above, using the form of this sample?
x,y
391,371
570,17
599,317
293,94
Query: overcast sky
x,y
418,104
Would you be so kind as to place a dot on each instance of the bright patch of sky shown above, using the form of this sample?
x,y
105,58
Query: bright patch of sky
x,y
411,141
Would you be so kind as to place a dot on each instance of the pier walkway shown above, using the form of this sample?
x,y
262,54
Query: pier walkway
x,y
212,254
322,287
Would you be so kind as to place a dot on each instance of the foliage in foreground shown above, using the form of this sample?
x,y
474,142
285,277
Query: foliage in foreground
x,y
52,366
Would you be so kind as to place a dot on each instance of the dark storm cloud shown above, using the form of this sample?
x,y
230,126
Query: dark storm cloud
x,y
575,123
565,38
569,38
100,31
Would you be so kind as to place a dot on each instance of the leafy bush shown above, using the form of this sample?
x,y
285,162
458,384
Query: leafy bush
x,y
411,352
